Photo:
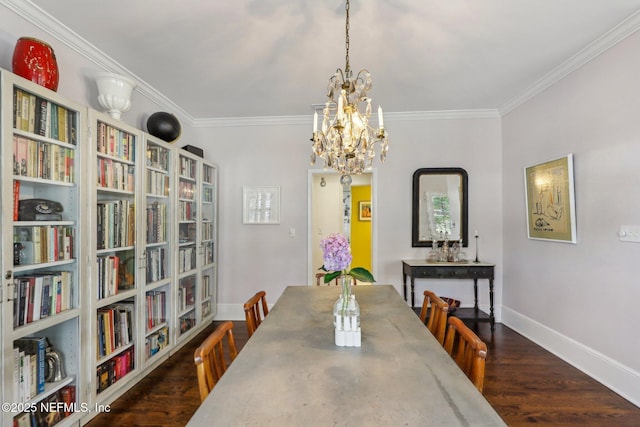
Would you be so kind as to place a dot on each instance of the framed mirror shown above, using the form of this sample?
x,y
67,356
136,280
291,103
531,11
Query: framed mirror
x,y
440,206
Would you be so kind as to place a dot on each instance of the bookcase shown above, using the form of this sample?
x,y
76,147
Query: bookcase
x,y
42,151
109,254
116,256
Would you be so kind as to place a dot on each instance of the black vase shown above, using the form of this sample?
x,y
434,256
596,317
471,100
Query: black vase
x,y
164,126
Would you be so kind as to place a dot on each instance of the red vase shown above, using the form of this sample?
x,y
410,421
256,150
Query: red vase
x,y
34,60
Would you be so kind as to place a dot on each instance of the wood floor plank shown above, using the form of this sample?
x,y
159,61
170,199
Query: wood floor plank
x,y
523,382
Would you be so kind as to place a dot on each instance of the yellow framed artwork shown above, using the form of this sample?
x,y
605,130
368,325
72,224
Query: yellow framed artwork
x,y
364,210
550,200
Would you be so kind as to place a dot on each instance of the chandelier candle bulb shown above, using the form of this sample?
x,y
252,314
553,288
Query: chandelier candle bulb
x,y
380,122
315,122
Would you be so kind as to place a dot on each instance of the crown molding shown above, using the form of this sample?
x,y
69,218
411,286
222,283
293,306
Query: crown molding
x,y
306,120
590,52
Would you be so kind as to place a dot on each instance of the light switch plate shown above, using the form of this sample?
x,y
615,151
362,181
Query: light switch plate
x,y
629,233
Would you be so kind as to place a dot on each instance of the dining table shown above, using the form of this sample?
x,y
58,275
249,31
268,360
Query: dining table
x,y
291,373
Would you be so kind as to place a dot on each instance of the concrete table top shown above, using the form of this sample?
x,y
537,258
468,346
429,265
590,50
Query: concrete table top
x,y
291,373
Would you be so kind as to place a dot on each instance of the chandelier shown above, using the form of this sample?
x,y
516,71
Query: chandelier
x,y
346,142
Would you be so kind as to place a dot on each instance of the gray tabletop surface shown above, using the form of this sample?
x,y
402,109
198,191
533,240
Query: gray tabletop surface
x,y
290,373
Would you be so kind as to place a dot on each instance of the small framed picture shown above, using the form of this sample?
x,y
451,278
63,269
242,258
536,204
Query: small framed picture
x,y
364,210
550,200
261,205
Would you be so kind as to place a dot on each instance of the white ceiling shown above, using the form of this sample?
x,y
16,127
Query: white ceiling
x,y
251,58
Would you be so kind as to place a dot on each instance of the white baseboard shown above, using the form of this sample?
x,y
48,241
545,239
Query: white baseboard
x,y
611,373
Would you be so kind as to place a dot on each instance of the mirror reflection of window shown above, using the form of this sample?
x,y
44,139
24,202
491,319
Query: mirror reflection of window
x,y
441,216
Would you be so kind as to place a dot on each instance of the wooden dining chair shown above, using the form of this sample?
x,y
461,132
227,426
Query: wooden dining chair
x,y
252,311
210,358
469,351
438,310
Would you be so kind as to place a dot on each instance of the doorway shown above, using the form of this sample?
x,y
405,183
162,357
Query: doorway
x,y
349,211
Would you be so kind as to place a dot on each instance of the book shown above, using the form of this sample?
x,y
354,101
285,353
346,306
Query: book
x,y
16,199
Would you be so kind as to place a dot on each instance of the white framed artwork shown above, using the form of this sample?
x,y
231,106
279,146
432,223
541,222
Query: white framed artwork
x,y
261,204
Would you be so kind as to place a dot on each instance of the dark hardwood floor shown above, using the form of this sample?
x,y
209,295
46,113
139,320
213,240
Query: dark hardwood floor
x,y
523,382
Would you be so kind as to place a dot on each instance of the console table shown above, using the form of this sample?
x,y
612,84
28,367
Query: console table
x,y
420,269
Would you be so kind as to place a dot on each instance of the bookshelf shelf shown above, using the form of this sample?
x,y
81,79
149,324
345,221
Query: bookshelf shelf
x,y
53,320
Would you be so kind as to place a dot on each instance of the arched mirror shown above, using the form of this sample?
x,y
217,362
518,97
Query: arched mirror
x,y
440,208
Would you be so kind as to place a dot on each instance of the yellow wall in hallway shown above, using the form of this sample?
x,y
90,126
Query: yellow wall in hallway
x,y
360,230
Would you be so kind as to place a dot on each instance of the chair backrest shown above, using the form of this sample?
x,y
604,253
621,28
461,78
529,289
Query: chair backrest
x,y
438,310
469,351
210,357
320,280
252,311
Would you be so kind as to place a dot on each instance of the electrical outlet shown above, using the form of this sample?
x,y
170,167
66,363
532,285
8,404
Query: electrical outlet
x,y
629,233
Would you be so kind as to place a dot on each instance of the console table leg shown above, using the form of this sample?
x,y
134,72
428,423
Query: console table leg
x,y
404,287
491,317
413,296
475,296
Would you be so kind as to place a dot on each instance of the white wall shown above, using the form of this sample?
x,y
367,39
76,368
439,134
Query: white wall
x,y
580,301
265,257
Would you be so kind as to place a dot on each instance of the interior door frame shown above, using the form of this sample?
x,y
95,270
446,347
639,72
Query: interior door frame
x,y
311,269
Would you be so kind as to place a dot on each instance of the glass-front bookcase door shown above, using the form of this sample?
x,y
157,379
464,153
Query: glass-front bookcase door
x,y
42,163
158,240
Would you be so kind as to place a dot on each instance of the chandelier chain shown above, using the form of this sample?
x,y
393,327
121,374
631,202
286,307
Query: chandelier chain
x,y
346,28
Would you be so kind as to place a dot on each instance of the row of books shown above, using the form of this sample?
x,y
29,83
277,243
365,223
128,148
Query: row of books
x,y
114,369
187,259
157,183
207,230
44,243
38,296
40,116
28,367
186,210
207,174
115,326
206,286
116,175
207,194
108,276
156,223
157,341
187,167
157,157
206,308
51,410
208,253
156,264
187,232
187,322
186,294
115,224
156,302
115,142
37,159
186,190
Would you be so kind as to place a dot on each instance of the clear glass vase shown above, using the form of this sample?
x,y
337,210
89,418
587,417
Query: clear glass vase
x,y
346,314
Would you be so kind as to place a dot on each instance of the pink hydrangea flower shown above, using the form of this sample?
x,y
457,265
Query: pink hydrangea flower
x,y
337,253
